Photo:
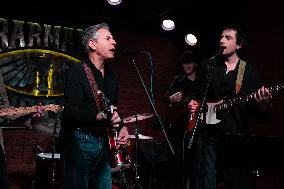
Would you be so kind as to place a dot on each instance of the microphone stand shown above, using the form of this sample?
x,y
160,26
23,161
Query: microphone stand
x,y
153,107
136,184
53,162
202,109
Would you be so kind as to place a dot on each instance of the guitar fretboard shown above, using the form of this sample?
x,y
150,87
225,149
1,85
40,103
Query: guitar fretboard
x,y
26,110
229,103
21,110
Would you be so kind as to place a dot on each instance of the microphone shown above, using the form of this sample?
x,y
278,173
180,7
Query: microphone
x,y
132,52
218,53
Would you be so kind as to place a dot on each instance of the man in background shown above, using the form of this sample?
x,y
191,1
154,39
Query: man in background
x,y
177,98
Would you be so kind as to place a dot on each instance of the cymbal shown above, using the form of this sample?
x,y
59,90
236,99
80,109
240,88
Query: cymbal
x,y
46,125
143,137
140,117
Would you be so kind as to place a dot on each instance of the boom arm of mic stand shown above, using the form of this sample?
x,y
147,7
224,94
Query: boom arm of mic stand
x,y
153,107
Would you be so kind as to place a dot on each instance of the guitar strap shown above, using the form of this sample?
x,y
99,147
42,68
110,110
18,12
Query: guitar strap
x,y
95,91
240,76
93,85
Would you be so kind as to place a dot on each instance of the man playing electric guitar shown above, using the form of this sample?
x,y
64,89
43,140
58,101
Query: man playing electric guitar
x,y
117,149
225,75
84,124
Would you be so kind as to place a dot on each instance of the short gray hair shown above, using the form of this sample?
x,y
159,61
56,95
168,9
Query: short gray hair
x,y
91,33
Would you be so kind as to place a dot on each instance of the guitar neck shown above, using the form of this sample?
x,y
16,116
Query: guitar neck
x,y
17,111
27,110
229,103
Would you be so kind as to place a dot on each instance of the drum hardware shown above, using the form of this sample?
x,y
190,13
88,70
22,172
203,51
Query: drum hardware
x,y
137,117
37,149
136,184
119,159
47,173
120,179
141,137
56,124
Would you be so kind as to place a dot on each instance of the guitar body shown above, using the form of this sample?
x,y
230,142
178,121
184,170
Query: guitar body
x,y
118,153
210,116
112,137
119,158
192,119
191,122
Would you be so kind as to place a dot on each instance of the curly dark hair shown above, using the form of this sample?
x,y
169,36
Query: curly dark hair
x,y
241,36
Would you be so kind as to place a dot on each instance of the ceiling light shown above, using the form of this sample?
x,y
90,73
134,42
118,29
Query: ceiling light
x,y
114,2
168,25
190,39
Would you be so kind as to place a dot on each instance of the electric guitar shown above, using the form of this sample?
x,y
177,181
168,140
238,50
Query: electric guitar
x,y
217,106
26,110
106,107
118,153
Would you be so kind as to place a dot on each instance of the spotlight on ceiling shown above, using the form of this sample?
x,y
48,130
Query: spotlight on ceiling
x,y
114,2
190,39
168,25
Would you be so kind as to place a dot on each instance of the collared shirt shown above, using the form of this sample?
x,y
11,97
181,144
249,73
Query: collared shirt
x,y
80,108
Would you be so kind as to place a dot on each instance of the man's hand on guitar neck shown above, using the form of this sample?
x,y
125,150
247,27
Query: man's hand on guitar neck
x,y
40,111
38,115
114,119
263,94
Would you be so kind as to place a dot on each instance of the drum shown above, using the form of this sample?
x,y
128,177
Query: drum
x,y
119,159
48,171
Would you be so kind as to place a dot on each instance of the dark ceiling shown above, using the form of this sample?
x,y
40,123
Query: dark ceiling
x,y
143,15
200,17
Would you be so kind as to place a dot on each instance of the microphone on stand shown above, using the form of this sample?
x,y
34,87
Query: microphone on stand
x,y
212,64
217,54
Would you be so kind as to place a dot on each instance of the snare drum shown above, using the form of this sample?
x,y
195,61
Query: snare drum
x,y
119,159
48,171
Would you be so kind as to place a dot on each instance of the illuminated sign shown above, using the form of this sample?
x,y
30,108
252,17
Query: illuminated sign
x,y
34,58
21,34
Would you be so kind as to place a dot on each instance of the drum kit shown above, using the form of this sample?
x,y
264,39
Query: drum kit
x,y
48,173
122,162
